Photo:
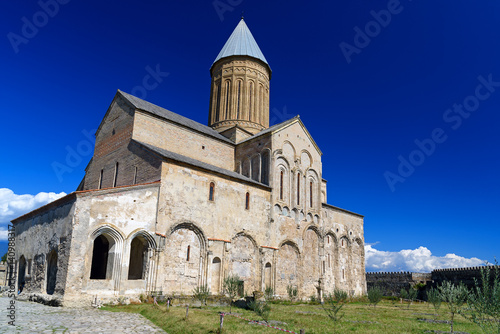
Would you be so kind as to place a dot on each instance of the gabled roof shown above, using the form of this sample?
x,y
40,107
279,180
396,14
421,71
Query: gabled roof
x,y
241,43
173,117
196,163
283,125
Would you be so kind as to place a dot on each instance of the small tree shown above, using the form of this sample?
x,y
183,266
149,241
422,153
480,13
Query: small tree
x,y
333,304
201,293
409,295
261,308
4,258
454,296
269,293
434,298
292,292
374,295
483,305
231,287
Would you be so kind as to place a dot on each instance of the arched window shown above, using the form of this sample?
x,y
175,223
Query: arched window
x,y
247,201
228,88
138,253
281,185
211,193
267,275
250,101
217,106
298,188
188,253
238,100
310,194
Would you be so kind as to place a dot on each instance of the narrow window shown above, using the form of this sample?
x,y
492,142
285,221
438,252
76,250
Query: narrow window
x,y
342,242
328,238
343,273
329,263
247,201
227,99
211,194
298,188
135,175
281,185
187,255
116,175
310,194
217,106
100,179
324,269
239,98
250,102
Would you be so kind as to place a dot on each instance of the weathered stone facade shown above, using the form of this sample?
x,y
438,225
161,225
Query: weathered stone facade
x,y
168,204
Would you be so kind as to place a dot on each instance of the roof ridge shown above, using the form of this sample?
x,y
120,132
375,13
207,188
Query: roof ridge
x,y
172,116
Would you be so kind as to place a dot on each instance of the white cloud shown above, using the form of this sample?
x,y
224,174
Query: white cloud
x,y
13,205
415,260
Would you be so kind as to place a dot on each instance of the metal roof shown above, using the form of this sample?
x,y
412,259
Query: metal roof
x,y
241,43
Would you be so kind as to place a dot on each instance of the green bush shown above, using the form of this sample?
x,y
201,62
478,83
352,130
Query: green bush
x,y
260,308
292,292
201,293
231,286
374,295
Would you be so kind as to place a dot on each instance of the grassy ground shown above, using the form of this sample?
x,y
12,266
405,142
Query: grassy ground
x,y
387,318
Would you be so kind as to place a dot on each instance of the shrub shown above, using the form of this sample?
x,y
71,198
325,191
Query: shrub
x,y
292,292
483,304
201,293
374,295
261,308
269,293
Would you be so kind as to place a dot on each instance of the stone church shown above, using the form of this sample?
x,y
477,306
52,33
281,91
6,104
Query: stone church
x,y
168,204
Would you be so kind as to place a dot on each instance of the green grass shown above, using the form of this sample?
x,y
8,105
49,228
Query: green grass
x,y
387,318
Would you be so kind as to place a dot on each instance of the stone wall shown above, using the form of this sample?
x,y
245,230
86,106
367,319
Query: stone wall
x,y
465,276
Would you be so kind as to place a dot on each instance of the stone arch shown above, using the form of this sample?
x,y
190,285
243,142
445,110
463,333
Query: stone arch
x,y
287,267
51,272
306,159
107,244
184,254
215,269
282,177
312,266
288,150
344,261
244,260
21,275
330,246
141,242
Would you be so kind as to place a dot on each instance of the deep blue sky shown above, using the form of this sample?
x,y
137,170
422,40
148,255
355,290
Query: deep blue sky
x,y
363,114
